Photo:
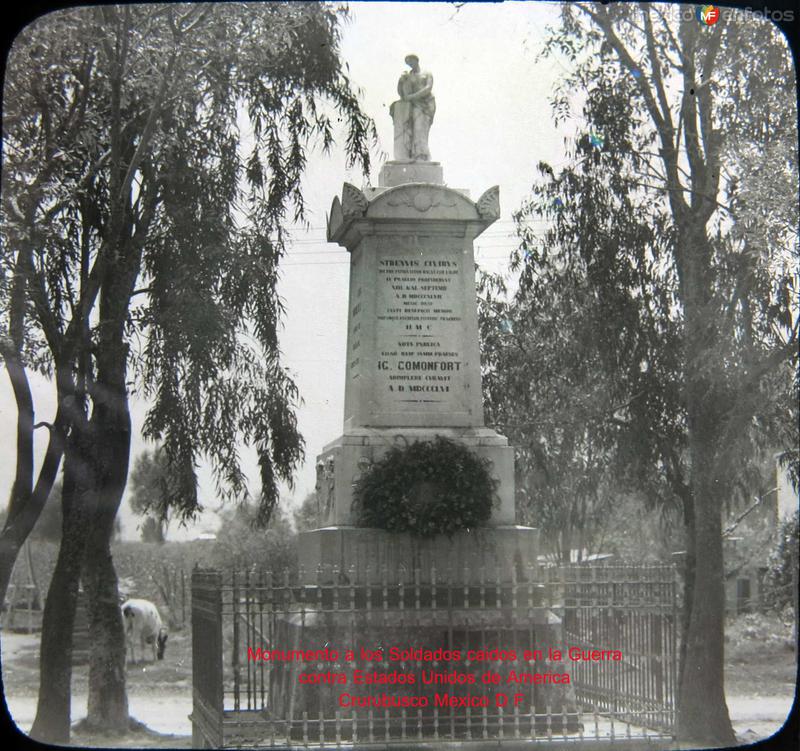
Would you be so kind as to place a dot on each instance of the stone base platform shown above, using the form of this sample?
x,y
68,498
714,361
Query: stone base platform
x,y
360,555
401,171
455,630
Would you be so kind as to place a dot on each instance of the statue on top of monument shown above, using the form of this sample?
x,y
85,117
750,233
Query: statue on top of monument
x,y
413,113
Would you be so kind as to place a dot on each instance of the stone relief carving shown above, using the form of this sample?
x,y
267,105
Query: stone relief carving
x,y
488,204
422,199
325,487
319,486
363,464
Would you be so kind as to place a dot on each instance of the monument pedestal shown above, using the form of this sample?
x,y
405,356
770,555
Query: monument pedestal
x,y
413,373
360,555
401,171
458,629
343,460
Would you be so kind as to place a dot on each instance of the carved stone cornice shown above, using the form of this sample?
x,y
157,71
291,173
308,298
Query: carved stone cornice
x,y
432,205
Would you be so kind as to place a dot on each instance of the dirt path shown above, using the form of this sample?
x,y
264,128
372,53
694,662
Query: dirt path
x,y
756,718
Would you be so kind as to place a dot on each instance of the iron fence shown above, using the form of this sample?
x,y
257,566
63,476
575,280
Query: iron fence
x,y
628,614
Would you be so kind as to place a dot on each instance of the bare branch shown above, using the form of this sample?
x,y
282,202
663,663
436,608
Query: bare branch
x,y
669,152
688,35
656,67
149,128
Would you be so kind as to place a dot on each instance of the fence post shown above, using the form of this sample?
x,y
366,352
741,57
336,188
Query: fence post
x,y
235,654
207,658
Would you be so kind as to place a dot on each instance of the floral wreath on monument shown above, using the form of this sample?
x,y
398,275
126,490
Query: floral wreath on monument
x,y
426,488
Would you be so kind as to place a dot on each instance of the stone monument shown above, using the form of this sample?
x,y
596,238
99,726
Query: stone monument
x,y
413,373
413,359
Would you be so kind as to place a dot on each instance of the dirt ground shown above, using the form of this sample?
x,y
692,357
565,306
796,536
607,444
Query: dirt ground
x,y
173,674
760,685
159,693
760,674
760,657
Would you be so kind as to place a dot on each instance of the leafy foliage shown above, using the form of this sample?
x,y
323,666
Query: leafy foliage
x,y
427,488
150,486
241,544
780,583
154,155
571,360
652,340
636,532
152,531
306,516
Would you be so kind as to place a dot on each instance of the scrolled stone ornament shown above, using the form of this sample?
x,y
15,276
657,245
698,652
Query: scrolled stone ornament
x,y
354,202
488,204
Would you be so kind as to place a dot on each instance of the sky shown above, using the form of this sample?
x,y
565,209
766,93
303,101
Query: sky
x,y
493,125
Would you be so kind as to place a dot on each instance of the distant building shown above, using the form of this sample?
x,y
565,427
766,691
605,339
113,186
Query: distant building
x,y
744,578
743,582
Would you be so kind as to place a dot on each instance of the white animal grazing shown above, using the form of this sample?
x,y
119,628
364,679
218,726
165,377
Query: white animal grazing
x,y
143,625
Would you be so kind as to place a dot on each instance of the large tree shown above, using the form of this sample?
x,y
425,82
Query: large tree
x,y
153,159
665,287
542,387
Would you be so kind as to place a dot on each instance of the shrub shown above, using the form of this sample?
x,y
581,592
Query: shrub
x,y
779,585
242,544
426,488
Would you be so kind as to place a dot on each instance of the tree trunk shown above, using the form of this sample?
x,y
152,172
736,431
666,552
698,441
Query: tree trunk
x,y
27,500
19,526
14,532
10,545
23,476
53,711
702,711
24,512
108,700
